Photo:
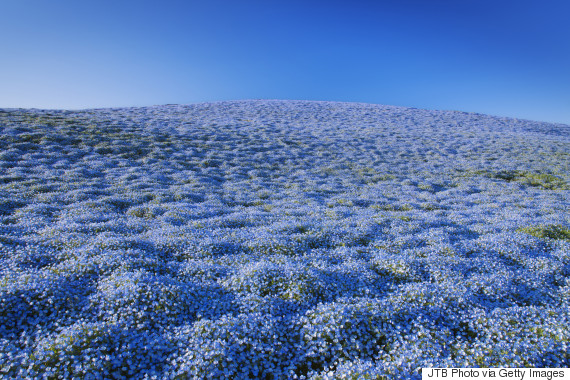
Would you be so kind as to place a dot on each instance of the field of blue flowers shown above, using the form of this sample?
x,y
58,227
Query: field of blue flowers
x,y
280,240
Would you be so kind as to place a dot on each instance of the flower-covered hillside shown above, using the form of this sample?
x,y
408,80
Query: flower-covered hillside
x,y
280,239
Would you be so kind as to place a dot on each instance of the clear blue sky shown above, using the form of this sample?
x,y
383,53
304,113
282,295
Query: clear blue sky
x,y
500,57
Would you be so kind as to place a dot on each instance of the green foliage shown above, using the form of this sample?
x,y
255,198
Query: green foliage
x,y
541,180
552,231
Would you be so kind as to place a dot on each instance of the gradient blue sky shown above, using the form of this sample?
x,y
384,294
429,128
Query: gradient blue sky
x,y
500,57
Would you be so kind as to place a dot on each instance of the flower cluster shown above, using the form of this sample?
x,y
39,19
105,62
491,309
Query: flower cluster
x,y
280,240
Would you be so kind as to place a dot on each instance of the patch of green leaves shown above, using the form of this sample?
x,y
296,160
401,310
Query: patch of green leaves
x,y
552,231
542,180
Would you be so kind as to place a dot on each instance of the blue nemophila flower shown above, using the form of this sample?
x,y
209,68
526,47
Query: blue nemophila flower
x,y
142,300
245,346
342,331
34,299
96,350
280,239
280,281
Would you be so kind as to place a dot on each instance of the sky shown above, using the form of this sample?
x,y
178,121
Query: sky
x,y
498,57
